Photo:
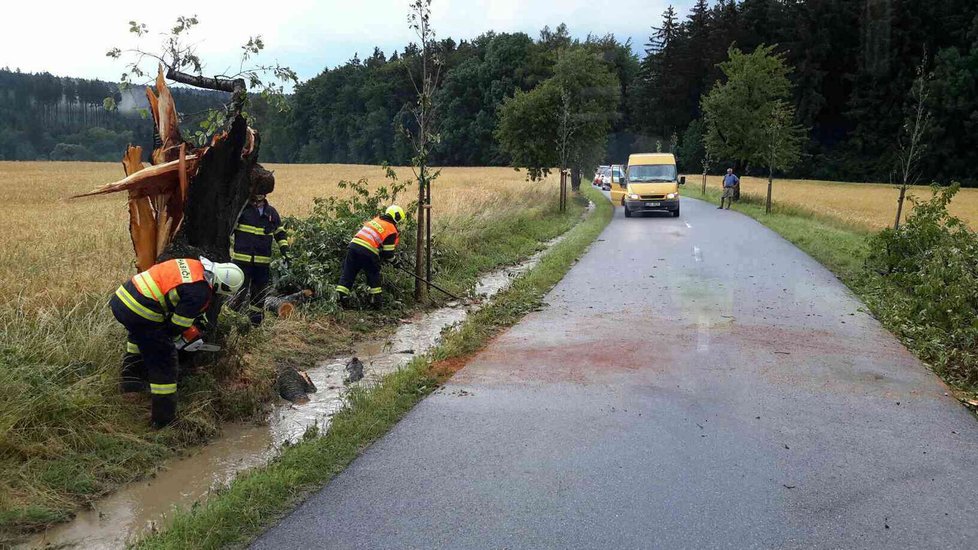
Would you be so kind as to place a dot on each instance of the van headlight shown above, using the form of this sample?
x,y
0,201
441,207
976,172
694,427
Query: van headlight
x,y
672,195
634,197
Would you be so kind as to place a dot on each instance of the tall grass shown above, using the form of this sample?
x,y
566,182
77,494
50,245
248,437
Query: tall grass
x,y
66,436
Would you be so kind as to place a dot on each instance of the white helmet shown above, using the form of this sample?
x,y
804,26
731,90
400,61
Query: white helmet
x,y
226,278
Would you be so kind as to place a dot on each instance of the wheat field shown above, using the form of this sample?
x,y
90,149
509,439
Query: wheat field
x,y
55,248
867,205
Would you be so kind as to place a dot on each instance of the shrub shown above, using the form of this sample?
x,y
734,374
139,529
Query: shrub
x,y
319,244
927,289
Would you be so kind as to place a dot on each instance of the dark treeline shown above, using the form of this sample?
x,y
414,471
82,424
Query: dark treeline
x,y
45,117
353,113
853,66
854,63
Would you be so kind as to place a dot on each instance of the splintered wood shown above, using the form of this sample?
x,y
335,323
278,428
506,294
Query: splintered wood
x,y
157,193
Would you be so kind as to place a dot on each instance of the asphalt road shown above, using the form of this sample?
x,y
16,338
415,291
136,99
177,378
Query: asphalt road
x,y
693,382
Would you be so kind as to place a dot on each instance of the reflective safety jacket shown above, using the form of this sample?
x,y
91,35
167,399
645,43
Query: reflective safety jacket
x,y
174,292
379,236
254,233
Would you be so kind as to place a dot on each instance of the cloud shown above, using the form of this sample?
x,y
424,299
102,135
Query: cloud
x,y
71,38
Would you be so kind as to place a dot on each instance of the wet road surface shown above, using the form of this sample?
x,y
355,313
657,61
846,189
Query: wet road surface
x,y
693,382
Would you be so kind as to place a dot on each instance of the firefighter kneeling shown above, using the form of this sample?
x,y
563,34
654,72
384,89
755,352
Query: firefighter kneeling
x,y
377,240
156,307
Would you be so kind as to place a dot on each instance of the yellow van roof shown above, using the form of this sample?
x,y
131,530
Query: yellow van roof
x,y
651,158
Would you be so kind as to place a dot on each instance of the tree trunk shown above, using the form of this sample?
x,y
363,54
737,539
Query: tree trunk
x,y
899,214
419,245
704,182
219,191
770,183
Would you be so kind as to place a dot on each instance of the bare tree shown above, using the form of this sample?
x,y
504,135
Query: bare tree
x,y
782,147
566,128
424,136
910,143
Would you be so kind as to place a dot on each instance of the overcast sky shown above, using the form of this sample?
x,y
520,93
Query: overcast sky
x,y
71,38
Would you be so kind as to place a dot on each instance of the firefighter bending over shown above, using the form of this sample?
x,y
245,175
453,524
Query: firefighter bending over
x,y
156,306
376,241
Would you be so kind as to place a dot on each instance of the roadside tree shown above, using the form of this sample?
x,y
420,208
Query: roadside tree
x,y
911,144
564,122
748,117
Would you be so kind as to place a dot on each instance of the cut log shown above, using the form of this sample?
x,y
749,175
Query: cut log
x,y
284,306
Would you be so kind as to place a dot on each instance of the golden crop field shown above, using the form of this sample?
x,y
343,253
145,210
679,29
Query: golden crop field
x,y
872,206
55,248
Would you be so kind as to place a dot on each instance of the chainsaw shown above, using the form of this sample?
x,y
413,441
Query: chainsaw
x,y
193,340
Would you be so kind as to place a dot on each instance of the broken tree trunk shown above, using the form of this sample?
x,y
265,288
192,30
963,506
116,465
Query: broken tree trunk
x,y
187,203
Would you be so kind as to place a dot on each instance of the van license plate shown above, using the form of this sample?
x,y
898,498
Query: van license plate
x,y
654,204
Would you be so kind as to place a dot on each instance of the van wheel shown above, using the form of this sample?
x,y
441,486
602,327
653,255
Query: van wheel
x,y
628,213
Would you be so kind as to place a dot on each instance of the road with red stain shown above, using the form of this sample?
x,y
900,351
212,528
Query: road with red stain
x,y
693,382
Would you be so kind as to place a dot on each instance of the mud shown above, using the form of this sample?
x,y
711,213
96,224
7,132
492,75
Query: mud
x,y
141,507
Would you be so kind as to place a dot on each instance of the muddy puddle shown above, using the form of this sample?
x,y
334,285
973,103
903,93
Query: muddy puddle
x,y
139,507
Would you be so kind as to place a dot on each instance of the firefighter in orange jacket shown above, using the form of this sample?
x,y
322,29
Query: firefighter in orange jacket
x,y
376,241
156,306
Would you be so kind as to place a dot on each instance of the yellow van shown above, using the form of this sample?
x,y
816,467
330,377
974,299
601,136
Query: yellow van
x,y
651,184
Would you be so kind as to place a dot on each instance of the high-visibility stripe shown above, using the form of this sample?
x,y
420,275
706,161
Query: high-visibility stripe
x,y
174,297
253,229
181,321
136,307
375,290
342,289
375,225
365,244
148,288
162,389
131,348
389,247
250,258
283,242
368,233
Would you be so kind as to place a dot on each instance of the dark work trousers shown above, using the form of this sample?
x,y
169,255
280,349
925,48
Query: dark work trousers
x,y
359,259
257,279
150,356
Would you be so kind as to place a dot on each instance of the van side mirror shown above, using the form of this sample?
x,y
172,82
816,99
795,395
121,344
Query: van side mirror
x,y
682,180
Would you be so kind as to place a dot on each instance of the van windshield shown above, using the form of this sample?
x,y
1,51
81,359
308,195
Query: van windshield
x,y
651,172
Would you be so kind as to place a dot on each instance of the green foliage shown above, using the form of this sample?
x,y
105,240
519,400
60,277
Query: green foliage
x,y
928,286
320,242
738,113
691,152
564,121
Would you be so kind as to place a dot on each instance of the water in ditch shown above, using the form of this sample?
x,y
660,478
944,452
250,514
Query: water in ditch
x,y
140,507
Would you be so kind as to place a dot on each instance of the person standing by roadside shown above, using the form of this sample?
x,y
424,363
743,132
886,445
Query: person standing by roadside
x,y
258,225
730,183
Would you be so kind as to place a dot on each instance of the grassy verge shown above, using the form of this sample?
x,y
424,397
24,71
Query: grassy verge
x,y
67,437
255,500
844,248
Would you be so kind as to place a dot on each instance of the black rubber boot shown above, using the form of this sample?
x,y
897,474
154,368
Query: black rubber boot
x,y
377,302
344,301
133,374
256,316
164,410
